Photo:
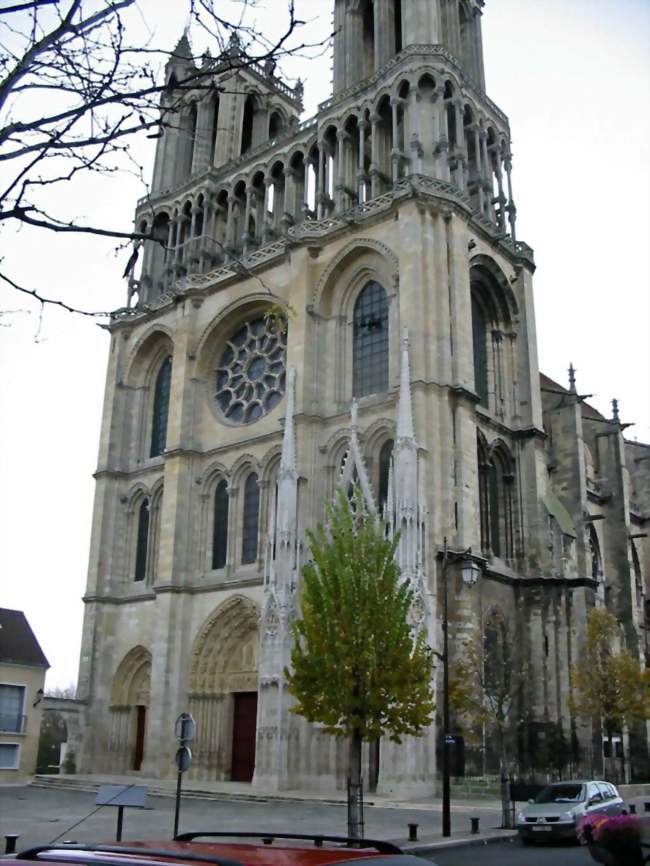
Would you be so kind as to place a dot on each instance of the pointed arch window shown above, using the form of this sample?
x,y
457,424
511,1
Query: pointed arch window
x,y
370,349
220,525
479,339
160,415
142,542
385,456
251,519
496,506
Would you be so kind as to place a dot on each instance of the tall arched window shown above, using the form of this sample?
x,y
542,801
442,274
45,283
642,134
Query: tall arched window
x,y
142,542
370,353
247,125
220,525
384,472
251,519
162,389
496,507
479,337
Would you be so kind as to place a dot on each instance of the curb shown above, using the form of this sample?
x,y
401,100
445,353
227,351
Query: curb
x,y
432,847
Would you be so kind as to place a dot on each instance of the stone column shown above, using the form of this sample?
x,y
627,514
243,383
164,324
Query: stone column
x,y
395,152
250,193
500,214
461,156
511,208
267,230
339,169
230,224
479,174
290,207
362,178
487,176
321,191
374,155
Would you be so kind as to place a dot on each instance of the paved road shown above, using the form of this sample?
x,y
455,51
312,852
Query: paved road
x,y
41,815
514,854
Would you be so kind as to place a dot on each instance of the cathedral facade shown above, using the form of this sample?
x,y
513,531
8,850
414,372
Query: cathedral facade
x,y
333,300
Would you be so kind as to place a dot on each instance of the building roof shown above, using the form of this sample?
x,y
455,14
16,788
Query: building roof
x,y
18,644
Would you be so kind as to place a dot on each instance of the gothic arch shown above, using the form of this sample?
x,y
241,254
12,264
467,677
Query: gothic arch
x,y
146,354
129,702
244,464
504,301
224,323
376,434
343,260
269,464
132,680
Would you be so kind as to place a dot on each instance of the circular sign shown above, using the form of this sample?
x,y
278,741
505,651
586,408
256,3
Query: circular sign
x,y
185,728
183,759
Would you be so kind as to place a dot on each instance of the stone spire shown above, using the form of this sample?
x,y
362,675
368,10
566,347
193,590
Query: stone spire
x,y
288,460
281,573
183,50
354,462
572,379
408,514
405,429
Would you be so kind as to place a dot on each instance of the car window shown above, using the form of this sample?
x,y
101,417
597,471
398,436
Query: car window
x,y
561,794
594,793
605,791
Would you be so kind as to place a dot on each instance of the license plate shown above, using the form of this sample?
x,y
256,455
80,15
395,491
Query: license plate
x,y
548,829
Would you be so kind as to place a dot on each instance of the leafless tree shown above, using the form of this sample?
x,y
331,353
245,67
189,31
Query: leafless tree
x,y
75,90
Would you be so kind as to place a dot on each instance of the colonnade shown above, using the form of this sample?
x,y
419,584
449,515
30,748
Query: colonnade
x,y
425,129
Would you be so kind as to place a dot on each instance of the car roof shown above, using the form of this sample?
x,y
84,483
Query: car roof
x,y
251,850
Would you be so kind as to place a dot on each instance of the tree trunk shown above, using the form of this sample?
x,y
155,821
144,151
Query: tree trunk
x,y
354,788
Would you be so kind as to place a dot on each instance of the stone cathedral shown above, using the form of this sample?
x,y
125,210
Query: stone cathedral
x,y
401,354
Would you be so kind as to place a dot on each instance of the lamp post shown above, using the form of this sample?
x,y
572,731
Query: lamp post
x,y
470,572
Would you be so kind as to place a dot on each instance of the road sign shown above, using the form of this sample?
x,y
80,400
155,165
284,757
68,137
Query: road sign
x,y
183,759
185,728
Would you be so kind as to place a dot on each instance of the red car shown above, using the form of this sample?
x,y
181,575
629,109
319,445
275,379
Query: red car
x,y
230,849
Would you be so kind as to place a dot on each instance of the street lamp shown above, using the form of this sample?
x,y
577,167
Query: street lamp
x,y
470,572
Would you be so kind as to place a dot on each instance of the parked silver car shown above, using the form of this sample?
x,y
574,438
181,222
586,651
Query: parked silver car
x,y
555,812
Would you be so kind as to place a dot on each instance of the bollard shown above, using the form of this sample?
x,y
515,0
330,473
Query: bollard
x,y
413,832
475,828
10,842
632,808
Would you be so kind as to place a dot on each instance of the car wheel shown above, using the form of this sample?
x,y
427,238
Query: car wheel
x,y
525,841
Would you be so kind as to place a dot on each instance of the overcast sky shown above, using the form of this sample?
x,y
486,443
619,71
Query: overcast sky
x,y
573,77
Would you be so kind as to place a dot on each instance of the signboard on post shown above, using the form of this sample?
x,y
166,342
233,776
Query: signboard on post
x,y
122,797
183,759
184,729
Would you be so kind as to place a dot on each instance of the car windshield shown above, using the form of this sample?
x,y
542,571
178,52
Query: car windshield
x,y
561,794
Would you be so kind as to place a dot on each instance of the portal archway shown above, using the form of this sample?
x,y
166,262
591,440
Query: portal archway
x,y
223,692
129,709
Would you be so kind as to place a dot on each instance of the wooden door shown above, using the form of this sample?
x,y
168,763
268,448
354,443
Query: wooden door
x,y
243,736
140,730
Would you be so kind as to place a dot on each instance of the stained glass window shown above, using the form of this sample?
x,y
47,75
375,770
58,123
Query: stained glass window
x,y
479,334
142,542
251,375
161,408
220,525
251,519
370,352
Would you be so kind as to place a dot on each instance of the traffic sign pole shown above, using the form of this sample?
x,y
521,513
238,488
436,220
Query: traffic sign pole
x,y
185,728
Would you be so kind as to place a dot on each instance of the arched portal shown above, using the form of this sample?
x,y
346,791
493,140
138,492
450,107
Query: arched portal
x,y
223,692
129,709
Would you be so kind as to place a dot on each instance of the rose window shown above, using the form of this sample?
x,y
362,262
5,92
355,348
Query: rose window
x,y
252,371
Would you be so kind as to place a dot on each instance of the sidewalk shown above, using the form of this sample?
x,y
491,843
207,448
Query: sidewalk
x,y
231,805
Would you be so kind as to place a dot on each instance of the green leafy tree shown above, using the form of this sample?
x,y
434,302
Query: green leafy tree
x,y
484,683
358,666
609,685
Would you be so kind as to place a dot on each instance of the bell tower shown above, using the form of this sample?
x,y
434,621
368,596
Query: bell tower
x,y
369,33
